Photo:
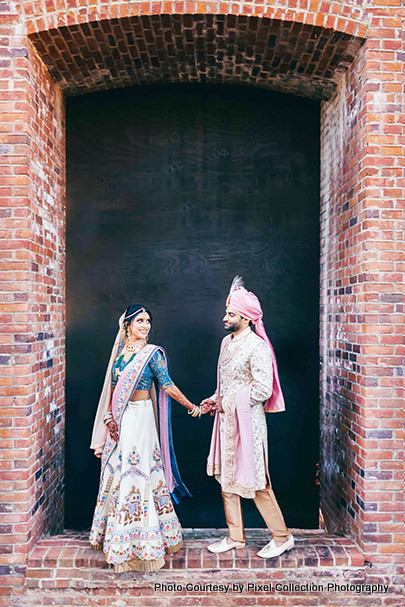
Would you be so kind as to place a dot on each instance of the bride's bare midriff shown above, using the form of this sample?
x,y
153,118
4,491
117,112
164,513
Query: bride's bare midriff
x,y
140,395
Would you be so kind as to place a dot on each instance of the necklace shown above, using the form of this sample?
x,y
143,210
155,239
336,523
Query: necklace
x,y
136,346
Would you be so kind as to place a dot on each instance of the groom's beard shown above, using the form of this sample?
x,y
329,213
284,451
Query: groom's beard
x,y
233,326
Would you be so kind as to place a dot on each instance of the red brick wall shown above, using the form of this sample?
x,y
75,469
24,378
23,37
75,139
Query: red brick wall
x,y
342,16
362,293
32,302
362,199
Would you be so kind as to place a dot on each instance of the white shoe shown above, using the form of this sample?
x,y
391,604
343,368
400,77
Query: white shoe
x,y
271,550
223,546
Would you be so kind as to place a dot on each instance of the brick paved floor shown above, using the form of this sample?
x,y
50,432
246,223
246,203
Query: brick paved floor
x,y
322,570
55,558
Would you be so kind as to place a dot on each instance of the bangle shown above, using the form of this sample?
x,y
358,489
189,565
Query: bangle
x,y
195,411
108,417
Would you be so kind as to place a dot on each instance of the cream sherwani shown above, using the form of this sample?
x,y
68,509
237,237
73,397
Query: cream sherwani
x,y
238,453
245,360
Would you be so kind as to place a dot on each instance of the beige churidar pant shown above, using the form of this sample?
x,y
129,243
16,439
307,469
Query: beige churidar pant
x,y
268,507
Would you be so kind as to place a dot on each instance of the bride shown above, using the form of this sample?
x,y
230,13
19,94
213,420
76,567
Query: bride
x,y
134,520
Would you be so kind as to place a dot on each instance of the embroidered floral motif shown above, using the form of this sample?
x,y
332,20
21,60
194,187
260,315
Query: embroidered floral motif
x,y
131,510
145,544
161,497
134,458
156,454
157,459
113,502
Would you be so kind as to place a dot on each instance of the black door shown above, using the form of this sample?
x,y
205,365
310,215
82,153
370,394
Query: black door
x,y
172,190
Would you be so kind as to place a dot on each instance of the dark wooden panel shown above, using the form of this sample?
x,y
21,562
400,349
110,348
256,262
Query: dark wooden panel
x,y
172,191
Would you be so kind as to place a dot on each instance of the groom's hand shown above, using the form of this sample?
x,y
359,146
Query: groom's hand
x,y
207,405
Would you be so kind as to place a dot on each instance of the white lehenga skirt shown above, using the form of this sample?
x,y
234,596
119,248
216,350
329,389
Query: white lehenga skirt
x,y
134,520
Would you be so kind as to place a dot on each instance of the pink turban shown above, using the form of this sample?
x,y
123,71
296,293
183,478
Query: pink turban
x,y
247,305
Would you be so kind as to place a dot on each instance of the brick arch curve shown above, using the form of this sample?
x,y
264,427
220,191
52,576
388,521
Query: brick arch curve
x,y
339,15
290,57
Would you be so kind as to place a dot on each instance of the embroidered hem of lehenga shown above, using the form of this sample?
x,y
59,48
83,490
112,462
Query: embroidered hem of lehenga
x,y
147,565
140,565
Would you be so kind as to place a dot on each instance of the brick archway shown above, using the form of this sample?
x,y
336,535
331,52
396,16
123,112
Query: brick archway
x,y
282,55
362,186
338,15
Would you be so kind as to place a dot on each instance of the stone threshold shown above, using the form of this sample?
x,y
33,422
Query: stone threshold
x,y
66,560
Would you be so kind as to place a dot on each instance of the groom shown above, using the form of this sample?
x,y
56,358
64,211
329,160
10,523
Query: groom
x,y
248,385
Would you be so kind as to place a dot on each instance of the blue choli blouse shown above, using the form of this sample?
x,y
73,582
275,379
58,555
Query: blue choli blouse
x,y
156,368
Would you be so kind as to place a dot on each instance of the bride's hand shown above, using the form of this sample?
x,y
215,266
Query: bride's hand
x,y
113,430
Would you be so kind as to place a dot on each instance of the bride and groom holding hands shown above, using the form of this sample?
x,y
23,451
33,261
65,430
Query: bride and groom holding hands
x,y
134,520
